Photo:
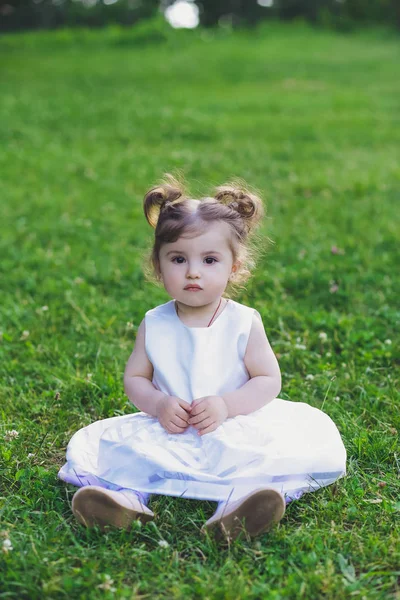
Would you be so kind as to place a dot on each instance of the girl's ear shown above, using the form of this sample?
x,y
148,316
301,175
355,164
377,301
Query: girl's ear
x,y
234,269
158,273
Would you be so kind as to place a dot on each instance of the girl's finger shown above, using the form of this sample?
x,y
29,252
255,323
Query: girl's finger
x,y
185,405
198,419
182,414
172,428
197,410
204,424
195,403
179,422
208,429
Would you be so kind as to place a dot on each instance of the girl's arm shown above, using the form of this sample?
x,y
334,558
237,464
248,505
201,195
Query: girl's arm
x,y
265,377
138,377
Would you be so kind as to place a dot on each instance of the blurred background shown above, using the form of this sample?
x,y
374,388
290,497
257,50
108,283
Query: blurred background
x,y
46,14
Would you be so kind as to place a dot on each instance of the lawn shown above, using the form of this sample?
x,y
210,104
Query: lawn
x,y
88,121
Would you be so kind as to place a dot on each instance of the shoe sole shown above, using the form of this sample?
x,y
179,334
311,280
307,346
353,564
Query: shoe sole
x,y
254,515
93,507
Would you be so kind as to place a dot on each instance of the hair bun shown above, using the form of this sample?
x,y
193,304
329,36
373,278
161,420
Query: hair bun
x,y
243,201
161,197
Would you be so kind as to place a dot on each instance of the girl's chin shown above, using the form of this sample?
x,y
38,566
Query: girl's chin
x,y
194,299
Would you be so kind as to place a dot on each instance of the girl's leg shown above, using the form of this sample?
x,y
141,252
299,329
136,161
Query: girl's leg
x,y
85,479
142,496
293,496
288,498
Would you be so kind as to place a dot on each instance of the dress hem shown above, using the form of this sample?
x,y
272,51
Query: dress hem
x,y
212,492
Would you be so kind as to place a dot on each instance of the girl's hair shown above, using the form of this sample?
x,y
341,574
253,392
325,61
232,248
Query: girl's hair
x,y
173,214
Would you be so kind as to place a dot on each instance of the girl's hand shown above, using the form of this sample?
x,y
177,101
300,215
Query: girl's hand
x,y
173,414
208,413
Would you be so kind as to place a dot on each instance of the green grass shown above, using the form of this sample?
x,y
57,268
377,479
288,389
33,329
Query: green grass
x,y
88,120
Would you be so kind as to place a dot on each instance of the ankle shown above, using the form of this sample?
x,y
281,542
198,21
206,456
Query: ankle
x,y
142,497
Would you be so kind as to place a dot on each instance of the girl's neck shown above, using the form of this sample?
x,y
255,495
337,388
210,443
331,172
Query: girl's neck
x,y
200,316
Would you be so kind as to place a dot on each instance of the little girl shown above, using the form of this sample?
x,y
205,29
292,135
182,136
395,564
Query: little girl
x,y
206,381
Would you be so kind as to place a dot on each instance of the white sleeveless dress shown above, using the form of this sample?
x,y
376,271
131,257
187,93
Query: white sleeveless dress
x,y
289,446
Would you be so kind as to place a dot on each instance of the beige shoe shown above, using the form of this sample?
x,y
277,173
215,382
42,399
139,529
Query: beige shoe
x,y
252,514
93,505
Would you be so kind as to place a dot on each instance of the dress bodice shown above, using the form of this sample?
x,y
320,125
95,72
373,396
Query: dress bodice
x,y
192,362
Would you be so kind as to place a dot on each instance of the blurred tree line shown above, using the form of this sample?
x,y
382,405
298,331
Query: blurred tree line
x,y
49,14
344,14
338,13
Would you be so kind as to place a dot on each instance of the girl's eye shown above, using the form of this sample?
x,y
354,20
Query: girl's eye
x,y
180,259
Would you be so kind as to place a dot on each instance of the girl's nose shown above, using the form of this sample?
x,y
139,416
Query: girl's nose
x,y
193,270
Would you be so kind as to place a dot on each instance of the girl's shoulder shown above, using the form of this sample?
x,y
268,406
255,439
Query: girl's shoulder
x,y
236,308
161,310
242,307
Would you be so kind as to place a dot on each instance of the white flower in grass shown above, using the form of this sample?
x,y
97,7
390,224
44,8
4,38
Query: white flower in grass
x,y
30,455
7,546
323,336
300,347
310,377
163,544
388,342
107,585
25,335
9,435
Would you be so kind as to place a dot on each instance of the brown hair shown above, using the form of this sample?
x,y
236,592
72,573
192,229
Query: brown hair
x,y
173,214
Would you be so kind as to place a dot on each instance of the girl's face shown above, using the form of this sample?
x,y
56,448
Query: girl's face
x,y
205,261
